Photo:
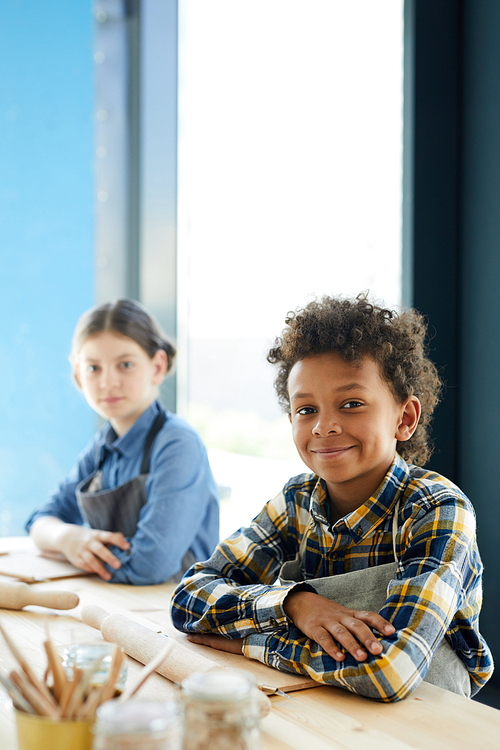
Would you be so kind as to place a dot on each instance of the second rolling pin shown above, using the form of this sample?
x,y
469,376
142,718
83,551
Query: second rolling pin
x,y
19,595
143,644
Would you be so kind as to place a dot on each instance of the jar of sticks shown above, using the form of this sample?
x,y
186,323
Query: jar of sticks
x,y
221,711
93,659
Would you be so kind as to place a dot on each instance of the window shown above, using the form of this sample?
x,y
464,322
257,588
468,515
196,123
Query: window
x,y
290,161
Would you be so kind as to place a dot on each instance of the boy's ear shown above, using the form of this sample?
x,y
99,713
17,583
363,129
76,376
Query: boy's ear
x,y
410,414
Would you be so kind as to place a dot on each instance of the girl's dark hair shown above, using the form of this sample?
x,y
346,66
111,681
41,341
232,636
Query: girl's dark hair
x,y
356,328
129,318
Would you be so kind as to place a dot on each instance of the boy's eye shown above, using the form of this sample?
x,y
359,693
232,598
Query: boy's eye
x,y
126,365
306,410
352,404
92,368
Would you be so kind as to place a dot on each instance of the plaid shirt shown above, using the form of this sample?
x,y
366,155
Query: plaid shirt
x,y
437,592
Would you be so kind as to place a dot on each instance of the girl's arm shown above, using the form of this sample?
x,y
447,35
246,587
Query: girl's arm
x,y
57,525
84,548
181,512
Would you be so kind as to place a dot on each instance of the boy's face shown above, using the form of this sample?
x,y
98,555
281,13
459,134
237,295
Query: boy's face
x,y
346,422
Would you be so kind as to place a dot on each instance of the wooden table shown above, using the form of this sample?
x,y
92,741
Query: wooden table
x,y
320,718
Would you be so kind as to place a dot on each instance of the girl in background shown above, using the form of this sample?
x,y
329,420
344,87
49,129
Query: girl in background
x,y
140,505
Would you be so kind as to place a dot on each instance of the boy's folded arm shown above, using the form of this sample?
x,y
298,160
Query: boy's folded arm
x,y
205,602
232,593
389,676
421,605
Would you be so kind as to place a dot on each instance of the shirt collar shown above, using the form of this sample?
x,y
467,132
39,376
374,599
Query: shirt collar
x,y
381,504
126,444
377,508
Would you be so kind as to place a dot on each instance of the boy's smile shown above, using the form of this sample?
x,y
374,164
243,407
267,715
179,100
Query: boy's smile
x,y
346,423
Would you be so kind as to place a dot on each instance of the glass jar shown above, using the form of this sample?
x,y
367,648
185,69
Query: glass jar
x,y
137,725
93,657
221,711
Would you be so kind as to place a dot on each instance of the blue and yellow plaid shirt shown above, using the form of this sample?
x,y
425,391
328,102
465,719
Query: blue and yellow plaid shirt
x,y
437,592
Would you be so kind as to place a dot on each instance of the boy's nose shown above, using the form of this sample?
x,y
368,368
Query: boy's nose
x,y
327,425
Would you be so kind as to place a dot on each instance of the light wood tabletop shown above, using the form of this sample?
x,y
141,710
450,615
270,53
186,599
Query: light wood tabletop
x,y
321,717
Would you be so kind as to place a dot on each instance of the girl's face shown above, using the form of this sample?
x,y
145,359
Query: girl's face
x,y
118,378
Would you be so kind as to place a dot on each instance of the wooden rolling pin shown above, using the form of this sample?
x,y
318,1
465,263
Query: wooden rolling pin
x,y
143,644
18,595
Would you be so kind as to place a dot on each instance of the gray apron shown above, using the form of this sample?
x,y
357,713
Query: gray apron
x,y
118,509
367,590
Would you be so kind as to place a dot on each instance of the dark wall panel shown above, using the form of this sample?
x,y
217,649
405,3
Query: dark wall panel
x,y
479,415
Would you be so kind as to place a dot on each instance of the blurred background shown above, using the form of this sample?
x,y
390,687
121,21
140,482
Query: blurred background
x,y
225,161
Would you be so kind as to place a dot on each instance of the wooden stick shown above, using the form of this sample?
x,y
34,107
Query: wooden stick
x,y
55,664
114,670
15,694
33,696
144,673
76,699
57,669
67,693
87,710
40,686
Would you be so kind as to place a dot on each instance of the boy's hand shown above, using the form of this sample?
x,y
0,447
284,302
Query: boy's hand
x,y
328,623
214,640
86,548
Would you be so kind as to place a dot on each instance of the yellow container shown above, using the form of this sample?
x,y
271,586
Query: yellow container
x,y
41,733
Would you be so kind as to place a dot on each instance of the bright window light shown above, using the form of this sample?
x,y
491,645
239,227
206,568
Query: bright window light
x,y
290,160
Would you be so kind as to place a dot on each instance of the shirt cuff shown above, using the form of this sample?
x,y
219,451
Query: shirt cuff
x,y
268,611
123,555
255,647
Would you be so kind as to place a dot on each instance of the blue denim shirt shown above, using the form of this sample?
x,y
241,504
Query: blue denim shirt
x,y
182,511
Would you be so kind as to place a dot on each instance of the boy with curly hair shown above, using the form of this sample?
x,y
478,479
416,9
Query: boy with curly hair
x,y
369,543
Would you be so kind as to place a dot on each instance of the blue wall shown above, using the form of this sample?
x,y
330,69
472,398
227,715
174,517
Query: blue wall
x,y
46,243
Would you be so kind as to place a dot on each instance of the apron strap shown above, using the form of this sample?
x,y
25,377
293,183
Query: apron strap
x,y
395,528
148,445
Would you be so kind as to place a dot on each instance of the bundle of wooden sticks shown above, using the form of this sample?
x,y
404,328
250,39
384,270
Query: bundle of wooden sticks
x,y
66,698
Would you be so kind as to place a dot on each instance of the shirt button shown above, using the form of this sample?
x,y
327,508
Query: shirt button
x,y
273,622
359,531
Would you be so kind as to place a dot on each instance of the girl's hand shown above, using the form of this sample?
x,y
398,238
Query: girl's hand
x,y
328,624
87,548
214,640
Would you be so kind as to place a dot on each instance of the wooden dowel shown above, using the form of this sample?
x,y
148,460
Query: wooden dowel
x,y
15,694
67,693
82,680
57,669
114,671
38,684
89,707
41,705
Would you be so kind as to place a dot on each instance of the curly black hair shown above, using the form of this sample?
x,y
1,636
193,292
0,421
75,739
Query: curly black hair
x,y
357,328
